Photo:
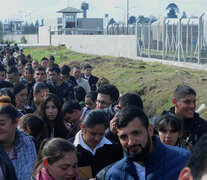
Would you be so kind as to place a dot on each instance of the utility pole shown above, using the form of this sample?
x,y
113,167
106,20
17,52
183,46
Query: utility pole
x,y
127,23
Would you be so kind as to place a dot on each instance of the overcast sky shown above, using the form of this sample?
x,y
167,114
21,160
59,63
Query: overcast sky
x,y
38,9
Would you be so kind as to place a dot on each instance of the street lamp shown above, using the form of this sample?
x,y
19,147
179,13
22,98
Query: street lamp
x,y
121,9
127,13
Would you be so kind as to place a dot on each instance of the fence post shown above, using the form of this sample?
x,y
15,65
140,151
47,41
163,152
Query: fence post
x,y
199,37
137,38
179,39
50,36
187,27
191,47
149,38
158,37
163,38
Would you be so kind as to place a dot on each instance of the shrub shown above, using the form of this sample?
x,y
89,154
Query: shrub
x,y
23,40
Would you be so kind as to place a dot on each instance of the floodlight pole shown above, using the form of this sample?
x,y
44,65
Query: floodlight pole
x,y
127,19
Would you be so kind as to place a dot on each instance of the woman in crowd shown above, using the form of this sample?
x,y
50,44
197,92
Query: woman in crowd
x,y
34,126
95,151
18,145
56,161
28,74
20,68
20,92
90,100
50,111
8,92
169,129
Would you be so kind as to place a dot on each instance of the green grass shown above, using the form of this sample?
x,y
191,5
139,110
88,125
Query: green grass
x,y
61,54
153,81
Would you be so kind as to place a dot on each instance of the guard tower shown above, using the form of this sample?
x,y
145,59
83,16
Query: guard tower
x,y
69,18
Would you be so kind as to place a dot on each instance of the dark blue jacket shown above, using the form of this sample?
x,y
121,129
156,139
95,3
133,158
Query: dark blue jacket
x,y
6,165
164,163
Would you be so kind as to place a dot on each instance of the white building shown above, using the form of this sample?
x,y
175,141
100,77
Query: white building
x,y
69,23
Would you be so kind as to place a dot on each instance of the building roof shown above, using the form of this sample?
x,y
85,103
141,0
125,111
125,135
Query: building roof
x,y
69,10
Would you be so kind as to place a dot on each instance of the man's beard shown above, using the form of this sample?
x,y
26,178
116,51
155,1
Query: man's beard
x,y
142,155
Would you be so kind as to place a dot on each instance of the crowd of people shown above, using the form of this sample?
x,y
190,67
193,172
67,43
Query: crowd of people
x,y
56,126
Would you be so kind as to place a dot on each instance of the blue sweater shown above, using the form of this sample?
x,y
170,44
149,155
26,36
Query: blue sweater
x,y
164,163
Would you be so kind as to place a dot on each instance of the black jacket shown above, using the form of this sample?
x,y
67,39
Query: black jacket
x,y
104,156
110,113
73,81
193,128
92,80
64,91
6,166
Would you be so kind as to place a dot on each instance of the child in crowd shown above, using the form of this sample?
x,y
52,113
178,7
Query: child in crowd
x,y
169,129
90,100
34,126
56,161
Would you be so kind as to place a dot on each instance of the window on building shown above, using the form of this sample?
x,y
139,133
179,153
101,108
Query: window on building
x,y
70,21
59,20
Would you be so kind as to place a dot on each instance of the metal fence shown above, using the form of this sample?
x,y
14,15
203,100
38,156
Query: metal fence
x,y
179,40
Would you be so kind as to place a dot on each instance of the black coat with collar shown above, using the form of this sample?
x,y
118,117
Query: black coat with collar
x,y
107,154
92,80
193,128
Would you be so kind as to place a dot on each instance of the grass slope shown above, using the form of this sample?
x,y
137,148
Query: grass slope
x,y
153,81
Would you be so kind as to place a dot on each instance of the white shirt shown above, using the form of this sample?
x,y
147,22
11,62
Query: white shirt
x,y
140,170
87,78
79,140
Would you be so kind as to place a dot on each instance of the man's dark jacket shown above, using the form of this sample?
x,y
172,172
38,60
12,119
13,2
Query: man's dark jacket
x,y
193,128
92,80
164,163
64,90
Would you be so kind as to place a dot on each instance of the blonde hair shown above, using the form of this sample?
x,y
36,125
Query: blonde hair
x,y
102,81
5,100
7,108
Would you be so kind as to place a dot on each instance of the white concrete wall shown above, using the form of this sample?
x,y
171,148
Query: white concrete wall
x,y
44,35
109,45
119,46
31,39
